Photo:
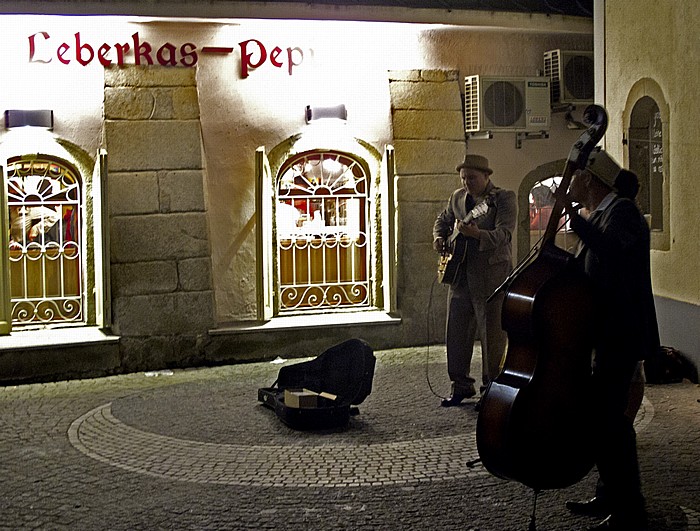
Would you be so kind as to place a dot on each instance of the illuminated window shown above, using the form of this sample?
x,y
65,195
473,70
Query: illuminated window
x,y
646,159
45,242
322,232
541,202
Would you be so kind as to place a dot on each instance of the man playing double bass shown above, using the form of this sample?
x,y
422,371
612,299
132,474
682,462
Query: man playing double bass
x,y
614,253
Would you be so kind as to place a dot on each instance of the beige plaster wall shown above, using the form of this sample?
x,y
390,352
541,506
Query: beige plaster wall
x,y
650,43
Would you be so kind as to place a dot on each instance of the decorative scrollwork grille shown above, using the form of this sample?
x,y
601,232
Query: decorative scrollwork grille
x,y
321,226
45,213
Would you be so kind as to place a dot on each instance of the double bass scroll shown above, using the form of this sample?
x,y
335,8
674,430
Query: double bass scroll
x,y
533,425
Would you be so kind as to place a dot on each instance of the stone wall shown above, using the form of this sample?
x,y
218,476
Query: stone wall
x,y
162,291
429,141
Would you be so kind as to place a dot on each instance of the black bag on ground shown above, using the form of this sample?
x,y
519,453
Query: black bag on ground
x,y
322,392
668,366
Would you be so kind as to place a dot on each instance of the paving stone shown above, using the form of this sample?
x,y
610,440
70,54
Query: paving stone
x,y
195,450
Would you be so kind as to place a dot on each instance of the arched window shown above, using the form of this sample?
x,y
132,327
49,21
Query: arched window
x,y
322,220
44,200
541,202
646,156
535,205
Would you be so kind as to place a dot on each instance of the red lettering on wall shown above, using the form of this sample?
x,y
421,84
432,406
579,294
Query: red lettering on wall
x,y
246,63
102,52
32,48
189,55
274,54
166,55
141,50
294,57
62,49
80,48
122,50
290,59
253,53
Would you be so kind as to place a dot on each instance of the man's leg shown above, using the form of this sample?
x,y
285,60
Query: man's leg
x,y
493,338
460,334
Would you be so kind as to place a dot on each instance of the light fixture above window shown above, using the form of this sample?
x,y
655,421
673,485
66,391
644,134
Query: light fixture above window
x,y
29,118
316,113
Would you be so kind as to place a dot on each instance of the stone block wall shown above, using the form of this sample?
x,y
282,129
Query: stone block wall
x,y
162,292
428,127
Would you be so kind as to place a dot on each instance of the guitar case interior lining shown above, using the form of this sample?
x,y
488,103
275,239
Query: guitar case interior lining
x,y
345,370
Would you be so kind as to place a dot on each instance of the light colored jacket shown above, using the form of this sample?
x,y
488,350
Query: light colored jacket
x,y
489,259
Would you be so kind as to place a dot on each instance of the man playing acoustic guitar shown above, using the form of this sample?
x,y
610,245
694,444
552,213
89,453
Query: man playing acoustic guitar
x,y
484,266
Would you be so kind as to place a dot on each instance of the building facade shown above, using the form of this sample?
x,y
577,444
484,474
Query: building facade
x,y
241,185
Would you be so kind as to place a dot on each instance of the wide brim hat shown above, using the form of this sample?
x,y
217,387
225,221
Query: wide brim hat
x,y
475,162
603,166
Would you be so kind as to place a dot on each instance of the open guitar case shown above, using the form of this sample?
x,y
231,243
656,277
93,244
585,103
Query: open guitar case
x,y
344,372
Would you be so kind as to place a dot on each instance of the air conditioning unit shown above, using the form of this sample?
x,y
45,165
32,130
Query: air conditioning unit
x,y
571,76
519,104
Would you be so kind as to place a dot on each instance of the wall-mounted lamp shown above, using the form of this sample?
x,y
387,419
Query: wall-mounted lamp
x,y
33,118
316,113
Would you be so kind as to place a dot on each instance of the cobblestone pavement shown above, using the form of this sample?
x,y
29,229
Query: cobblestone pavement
x,y
194,449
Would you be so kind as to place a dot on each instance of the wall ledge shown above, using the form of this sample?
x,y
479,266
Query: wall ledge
x,y
56,337
297,322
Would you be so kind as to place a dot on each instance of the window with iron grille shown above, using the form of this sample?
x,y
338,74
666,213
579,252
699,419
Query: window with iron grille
x,y
44,199
322,232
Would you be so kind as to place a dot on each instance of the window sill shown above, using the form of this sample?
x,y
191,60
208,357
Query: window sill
x,y
295,322
56,337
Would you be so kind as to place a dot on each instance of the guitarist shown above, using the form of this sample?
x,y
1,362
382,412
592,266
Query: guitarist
x,y
487,263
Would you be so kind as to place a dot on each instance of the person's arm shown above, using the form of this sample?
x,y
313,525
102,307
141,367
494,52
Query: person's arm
x,y
620,233
443,225
506,213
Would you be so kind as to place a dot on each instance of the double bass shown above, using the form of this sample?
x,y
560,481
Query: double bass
x,y
534,421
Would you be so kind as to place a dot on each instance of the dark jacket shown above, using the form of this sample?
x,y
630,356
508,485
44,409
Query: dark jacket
x,y
615,255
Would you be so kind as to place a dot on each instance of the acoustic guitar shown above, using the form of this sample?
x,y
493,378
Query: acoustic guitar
x,y
454,257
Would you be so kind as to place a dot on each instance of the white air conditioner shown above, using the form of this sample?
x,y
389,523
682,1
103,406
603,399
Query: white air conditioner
x,y
571,76
519,104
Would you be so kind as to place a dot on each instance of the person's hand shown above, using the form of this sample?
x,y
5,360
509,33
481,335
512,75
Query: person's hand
x,y
570,206
470,230
439,244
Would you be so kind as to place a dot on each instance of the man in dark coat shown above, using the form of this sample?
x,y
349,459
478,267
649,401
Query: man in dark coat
x,y
488,263
614,253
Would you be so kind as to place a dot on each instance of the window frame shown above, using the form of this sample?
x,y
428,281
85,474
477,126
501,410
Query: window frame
x,y
320,248
96,289
647,87
382,221
41,253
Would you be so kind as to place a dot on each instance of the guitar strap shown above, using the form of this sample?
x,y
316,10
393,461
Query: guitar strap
x,y
469,203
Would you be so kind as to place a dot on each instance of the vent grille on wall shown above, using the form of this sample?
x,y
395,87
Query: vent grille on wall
x,y
571,76
506,104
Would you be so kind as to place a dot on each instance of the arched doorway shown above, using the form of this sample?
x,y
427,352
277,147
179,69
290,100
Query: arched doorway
x,y
535,200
